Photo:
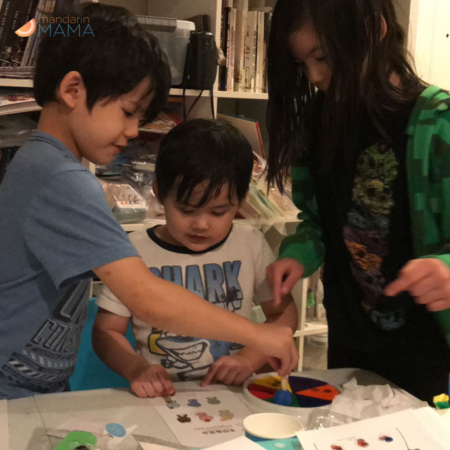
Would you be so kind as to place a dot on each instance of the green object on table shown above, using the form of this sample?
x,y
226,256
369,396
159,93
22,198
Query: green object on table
x,y
77,440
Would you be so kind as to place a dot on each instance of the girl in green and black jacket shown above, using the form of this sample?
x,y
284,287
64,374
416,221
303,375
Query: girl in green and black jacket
x,y
368,148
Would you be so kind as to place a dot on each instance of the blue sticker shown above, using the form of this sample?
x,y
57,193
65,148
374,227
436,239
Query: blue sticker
x,y
116,430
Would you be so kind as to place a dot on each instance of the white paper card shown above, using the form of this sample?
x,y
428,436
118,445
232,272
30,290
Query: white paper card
x,y
203,419
147,446
4,431
420,429
241,443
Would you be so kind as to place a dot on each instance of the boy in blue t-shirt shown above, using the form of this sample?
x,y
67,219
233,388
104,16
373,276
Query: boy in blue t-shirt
x,y
203,172
56,227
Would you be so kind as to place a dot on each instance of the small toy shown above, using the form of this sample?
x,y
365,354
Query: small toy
x,y
115,430
226,415
283,397
194,403
441,401
183,418
205,417
213,401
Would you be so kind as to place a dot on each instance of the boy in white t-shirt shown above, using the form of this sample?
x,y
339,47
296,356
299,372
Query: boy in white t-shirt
x,y
203,172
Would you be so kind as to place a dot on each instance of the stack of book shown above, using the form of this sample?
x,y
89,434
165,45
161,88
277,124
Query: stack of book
x,y
244,34
20,34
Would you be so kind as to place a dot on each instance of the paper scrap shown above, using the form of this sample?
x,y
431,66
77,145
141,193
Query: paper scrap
x,y
241,443
411,429
4,429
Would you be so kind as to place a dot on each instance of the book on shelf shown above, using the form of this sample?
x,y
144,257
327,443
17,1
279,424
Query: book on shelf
x,y
250,129
16,100
245,30
18,53
241,7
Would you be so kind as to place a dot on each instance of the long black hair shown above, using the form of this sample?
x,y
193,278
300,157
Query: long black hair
x,y
299,118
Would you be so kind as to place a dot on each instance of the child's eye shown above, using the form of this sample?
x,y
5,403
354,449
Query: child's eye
x,y
321,58
186,211
128,114
218,214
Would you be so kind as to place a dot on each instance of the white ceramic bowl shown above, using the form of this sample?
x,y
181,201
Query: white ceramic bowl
x,y
272,426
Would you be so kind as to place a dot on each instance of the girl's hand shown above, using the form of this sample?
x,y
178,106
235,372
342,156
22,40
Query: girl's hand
x,y
151,380
283,275
427,280
234,369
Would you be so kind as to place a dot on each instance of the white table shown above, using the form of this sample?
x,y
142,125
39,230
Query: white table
x,y
31,418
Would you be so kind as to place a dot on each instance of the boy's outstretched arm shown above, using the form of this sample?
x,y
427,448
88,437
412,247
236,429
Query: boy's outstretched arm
x,y
236,369
172,308
113,348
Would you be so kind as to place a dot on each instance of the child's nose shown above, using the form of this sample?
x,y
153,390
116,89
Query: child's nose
x,y
201,223
132,129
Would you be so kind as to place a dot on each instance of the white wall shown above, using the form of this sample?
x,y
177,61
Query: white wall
x,y
430,20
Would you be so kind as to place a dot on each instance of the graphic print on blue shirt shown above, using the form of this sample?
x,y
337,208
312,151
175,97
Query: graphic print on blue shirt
x,y
190,356
47,361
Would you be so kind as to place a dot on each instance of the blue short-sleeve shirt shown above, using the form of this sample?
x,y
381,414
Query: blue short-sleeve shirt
x,y
55,227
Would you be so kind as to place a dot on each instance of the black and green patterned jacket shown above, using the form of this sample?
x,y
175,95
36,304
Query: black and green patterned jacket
x,y
428,168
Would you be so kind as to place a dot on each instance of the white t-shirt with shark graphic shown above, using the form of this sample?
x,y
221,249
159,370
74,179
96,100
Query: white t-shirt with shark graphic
x,y
231,275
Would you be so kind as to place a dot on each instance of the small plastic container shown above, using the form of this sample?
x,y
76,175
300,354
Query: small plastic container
x,y
173,36
263,426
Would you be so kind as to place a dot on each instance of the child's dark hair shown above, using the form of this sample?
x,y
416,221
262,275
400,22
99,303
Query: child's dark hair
x,y
198,151
113,60
300,118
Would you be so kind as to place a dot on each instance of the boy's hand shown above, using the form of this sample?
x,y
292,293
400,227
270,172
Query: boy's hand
x,y
234,369
427,280
151,380
283,275
277,342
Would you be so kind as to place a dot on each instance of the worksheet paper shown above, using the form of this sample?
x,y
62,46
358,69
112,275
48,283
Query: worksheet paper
x,y
203,419
419,429
4,432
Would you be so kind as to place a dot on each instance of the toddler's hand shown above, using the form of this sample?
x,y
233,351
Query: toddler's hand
x,y
427,280
229,370
283,275
151,381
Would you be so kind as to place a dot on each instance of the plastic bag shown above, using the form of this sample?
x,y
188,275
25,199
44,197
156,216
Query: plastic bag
x,y
127,205
15,130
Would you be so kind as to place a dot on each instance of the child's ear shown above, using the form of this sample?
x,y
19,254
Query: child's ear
x,y
383,28
71,90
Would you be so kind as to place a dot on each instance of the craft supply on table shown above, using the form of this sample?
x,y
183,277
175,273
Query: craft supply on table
x,y
203,418
263,426
306,393
420,429
283,396
80,440
441,401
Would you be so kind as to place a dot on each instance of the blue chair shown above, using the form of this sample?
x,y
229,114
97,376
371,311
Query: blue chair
x,y
90,372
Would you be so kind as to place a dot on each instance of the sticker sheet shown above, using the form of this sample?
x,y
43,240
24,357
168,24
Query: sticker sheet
x,y
203,419
420,429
